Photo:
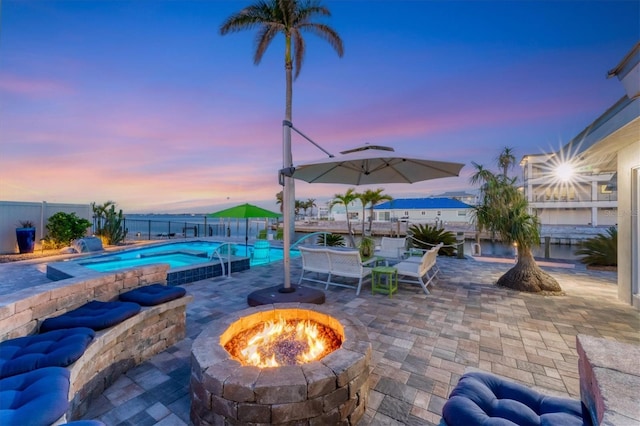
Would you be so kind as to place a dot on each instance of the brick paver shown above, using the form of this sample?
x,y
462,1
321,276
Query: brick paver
x,y
421,343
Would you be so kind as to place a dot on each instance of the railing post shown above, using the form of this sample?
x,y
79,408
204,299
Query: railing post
x,y
547,242
460,244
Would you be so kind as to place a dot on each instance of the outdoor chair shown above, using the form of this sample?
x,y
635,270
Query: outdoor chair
x,y
348,263
421,273
261,251
391,248
316,261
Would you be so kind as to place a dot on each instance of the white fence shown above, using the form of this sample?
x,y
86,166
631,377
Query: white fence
x,y
13,212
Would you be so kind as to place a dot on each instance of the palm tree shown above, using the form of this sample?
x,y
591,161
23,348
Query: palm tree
x,y
311,203
100,214
372,197
345,199
279,200
503,210
291,18
506,160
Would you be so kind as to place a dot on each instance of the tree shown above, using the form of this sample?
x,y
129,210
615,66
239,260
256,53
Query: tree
x,y
506,160
310,204
279,200
289,18
100,214
372,197
345,199
503,210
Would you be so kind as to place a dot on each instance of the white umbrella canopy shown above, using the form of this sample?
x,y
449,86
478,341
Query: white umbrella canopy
x,y
374,164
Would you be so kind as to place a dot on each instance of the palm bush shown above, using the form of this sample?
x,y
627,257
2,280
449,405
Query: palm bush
x,y
425,236
331,240
601,250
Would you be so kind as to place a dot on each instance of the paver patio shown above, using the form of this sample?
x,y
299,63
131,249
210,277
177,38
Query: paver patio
x,y
421,343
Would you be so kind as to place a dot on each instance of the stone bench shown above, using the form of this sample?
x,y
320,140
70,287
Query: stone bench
x,y
113,350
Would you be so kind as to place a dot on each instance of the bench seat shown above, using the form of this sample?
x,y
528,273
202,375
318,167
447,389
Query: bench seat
x,y
153,294
58,348
95,315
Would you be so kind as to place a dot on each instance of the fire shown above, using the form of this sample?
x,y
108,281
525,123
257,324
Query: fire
x,y
283,342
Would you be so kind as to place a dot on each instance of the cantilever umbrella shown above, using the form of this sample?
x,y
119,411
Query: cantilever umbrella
x,y
245,211
370,165
374,164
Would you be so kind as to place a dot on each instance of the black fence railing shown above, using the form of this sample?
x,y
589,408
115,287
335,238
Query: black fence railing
x,y
138,229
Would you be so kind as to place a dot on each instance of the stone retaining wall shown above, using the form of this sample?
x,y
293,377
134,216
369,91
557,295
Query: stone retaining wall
x,y
113,350
22,312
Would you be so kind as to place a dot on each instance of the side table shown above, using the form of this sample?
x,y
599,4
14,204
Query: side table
x,y
384,279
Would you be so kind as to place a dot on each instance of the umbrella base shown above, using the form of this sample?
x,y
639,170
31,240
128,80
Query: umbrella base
x,y
299,294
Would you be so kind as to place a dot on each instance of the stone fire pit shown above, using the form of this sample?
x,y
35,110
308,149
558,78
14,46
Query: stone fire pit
x,y
333,390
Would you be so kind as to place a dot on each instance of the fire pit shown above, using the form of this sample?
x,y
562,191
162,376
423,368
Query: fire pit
x,y
315,372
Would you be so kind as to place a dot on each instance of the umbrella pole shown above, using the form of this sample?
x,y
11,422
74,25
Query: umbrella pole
x,y
246,237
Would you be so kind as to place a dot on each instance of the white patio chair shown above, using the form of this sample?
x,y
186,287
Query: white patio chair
x,y
391,248
314,260
348,263
421,273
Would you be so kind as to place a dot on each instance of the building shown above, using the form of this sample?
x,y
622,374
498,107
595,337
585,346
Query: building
x,y
588,198
424,210
606,188
465,197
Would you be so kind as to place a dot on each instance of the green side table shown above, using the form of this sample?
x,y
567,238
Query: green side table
x,y
384,279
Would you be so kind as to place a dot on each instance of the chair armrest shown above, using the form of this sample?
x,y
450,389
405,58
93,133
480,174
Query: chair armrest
x,y
369,261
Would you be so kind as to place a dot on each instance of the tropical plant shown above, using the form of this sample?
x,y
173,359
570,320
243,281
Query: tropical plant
x,y
372,197
331,240
367,246
601,250
503,210
506,160
289,18
26,224
279,200
100,213
62,228
346,199
425,237
112,231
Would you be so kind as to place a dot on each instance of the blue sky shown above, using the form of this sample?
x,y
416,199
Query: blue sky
x,y
144,103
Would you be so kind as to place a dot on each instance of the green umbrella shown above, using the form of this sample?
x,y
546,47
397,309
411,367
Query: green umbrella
x,y
244,211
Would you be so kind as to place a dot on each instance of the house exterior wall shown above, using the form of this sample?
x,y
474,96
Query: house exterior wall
x,y
12,212
629,224
463,216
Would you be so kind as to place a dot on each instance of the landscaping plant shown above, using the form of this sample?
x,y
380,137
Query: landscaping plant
x,y
601,250
62,228
425,237
331,240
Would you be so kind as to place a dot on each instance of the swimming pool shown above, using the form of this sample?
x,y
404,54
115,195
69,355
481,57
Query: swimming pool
x,y
177,255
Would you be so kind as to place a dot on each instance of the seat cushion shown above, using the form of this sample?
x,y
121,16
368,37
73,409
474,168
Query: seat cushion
x,y
95,315
485,399
57,348
39,397
153,294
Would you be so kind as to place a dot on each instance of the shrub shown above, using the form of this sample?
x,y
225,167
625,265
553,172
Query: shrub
x,y
601,250
62,228
367,246
425,237
331,240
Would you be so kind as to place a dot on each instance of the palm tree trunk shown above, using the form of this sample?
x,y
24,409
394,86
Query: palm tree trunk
x,y
526,275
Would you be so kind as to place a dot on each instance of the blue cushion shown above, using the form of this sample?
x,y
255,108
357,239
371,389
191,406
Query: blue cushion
x,y
39,397
484,399
153,294
57,348
95,315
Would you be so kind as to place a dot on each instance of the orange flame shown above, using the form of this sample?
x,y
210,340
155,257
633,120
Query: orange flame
x,y
296,340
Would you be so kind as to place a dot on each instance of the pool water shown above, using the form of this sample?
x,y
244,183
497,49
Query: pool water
x,y
176,255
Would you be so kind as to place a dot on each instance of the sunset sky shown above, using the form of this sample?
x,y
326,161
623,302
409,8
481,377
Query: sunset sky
x,y
146,104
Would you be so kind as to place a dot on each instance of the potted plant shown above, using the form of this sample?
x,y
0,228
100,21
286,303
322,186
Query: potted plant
x,y
26,236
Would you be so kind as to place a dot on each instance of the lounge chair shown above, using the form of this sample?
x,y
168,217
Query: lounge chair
x,y
391,248
261,252
348,263
421,273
